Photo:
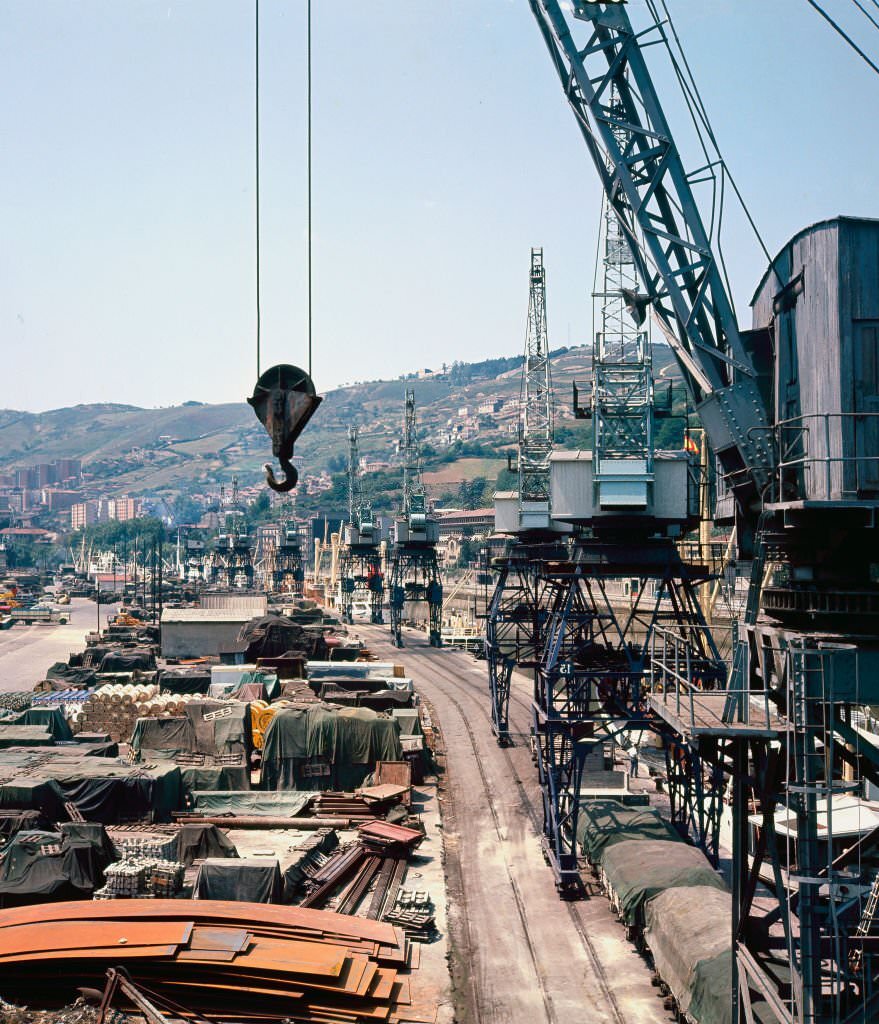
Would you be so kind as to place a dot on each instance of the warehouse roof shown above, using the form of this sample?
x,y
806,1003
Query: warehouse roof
x,y
207,614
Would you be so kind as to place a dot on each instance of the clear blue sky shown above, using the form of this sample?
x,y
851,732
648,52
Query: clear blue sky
x,y
443,150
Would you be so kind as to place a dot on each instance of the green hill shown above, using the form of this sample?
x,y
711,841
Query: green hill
x,y
196,447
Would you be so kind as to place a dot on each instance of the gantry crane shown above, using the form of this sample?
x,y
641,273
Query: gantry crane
x,y
232,564
360,562
517,611
415,574
791,411
288,569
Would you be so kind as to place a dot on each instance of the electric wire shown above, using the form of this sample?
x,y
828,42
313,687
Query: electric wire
x,y
256,120
838,29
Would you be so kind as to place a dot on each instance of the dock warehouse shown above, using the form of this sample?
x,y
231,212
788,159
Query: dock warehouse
x,y
199,632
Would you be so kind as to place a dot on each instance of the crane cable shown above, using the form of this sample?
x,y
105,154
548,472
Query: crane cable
x,y
866,13
308,163
844,35
256,121
257,175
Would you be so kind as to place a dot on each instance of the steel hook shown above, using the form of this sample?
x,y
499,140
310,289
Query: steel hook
x,y
284,400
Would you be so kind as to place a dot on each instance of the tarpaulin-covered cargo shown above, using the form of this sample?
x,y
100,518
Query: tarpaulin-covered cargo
x,y
215,775
210,743
103,790
602,823
215,728
272,636
49,718
255,803
71,677
41,865
318,747
128,661
688,931
198,842
247,880
24,736
182,681
636,870
410,721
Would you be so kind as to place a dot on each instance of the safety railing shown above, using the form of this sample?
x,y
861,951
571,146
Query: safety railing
x,y
703,690
826,456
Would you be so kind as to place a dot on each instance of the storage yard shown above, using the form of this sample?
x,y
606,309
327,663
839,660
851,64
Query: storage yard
x,y
106,797
322,747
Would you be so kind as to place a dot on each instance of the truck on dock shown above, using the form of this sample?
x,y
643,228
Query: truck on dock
x,y
39,613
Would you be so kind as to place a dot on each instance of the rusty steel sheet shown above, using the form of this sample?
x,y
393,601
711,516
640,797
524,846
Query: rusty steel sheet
x,y
96,953
254,915
205,937
225,986
37,938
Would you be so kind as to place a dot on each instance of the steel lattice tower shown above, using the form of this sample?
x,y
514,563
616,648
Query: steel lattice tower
x,y
535,399
415,572
622,374
360,556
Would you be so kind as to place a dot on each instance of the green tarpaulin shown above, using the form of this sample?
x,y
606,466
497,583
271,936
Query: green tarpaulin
x,y
636,870
688,930
103,789
318,747
603,823
49,718
212,727
254,803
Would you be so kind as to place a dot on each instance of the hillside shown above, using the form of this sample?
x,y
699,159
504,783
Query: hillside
x,y
196,447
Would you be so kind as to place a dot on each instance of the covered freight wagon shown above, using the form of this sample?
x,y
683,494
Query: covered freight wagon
x,y
636,870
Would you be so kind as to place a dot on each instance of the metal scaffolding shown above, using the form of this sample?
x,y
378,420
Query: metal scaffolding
x,y
414,572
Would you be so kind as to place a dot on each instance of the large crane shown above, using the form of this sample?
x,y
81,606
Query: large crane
x,y
789,410
535,401
360,561
516,611
415,574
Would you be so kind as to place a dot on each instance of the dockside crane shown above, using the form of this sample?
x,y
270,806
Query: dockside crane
x,y
516,611
415,574
360,558
232,563
791,412
288,569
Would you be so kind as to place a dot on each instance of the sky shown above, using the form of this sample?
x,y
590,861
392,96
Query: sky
x,y
443,150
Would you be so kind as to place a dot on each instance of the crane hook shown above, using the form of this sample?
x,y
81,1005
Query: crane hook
x,y
284,400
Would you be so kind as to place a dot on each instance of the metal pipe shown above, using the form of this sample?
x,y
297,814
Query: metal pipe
x,y
257,821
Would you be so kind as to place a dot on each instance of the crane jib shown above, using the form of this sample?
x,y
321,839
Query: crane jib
x,y
644,179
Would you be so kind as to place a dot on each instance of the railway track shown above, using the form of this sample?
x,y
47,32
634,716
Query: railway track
x,y
560,968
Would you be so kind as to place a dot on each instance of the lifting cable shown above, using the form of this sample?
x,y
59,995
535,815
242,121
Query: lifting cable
x,y
256,122
844,35
866,13
257,183
284,397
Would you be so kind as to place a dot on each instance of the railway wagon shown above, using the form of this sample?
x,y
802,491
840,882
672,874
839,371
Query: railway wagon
x,y
672,902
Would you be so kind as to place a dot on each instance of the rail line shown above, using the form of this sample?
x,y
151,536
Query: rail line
x,y
529,808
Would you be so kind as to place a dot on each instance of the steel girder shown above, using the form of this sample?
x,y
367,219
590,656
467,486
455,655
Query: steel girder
x,y
515,620
415,576
361,570
591,681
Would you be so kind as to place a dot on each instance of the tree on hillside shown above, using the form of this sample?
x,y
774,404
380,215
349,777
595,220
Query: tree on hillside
x,y
145,531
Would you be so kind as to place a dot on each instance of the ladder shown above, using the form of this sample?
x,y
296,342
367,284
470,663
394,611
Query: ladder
x,y
856,956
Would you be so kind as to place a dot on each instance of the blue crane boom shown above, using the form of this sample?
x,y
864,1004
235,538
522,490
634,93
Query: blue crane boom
x,y
609,88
